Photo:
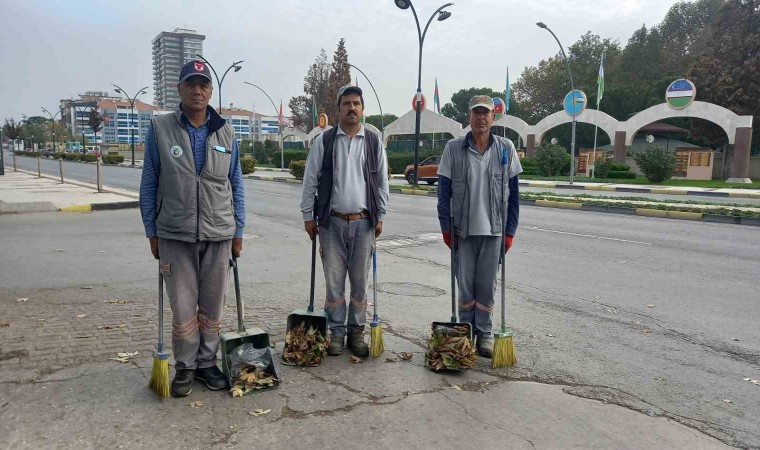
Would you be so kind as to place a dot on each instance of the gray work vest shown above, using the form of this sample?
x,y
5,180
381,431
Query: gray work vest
x,y
194,207
460,186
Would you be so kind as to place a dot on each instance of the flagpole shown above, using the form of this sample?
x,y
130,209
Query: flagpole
x,y
596,127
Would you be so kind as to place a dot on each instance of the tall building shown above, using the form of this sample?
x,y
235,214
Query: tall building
x,y
171,50
76,114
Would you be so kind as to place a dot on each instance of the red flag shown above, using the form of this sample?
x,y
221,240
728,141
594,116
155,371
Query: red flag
x,y
281,117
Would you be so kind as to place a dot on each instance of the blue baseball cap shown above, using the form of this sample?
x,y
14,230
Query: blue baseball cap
x,y
193,68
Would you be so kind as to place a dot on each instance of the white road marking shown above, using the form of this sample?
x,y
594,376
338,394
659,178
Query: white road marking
x,y
586,235
273,193
391,209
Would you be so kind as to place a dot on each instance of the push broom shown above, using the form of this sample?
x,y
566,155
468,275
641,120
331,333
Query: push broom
x,y
504,345
159,378
377,346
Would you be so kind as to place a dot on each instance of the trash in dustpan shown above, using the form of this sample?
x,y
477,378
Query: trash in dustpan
x,y
450,347
251,370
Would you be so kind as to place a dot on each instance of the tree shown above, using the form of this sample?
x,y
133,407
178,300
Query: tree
x,y
458,108
726,73
315,86
95,121
12,129
656,163
375,120
340,75
552,160
683,33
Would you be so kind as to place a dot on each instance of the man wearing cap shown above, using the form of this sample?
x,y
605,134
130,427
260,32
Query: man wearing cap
x,y
344,201
192,202
469,179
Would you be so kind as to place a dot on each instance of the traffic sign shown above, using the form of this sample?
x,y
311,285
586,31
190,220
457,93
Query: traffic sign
x,y
414,102
575,102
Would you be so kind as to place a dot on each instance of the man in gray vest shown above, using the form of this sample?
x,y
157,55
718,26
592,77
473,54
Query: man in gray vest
x,y
347,171
192,201
469,179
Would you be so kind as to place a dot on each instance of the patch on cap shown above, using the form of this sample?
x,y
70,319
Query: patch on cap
x,y
481,100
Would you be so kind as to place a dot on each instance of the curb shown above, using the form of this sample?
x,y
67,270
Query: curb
x,y
110,206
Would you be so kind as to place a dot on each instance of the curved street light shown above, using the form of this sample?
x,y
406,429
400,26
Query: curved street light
x,y
572,93
279,124
131,101
442,15
52,126
382,123
235,65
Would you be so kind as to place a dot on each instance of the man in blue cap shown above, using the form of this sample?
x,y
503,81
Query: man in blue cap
x,y
192,202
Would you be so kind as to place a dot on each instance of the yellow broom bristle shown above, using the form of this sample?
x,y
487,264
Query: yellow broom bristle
x,y
377,346
159,378
503,352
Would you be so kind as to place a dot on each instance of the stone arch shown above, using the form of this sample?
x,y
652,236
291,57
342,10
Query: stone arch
x,y
515,124
724,118
604,121
430,122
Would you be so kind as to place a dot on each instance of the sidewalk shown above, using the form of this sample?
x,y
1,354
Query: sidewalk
x,y
55,374
23,192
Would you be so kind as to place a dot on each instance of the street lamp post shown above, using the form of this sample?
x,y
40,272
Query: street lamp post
x,y
131,101
442,15
382,123
52,126
572,94
279,125
77,123
235,65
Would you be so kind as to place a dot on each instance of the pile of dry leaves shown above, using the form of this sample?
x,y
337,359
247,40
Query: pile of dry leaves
x,y
304,347
251,378
450,349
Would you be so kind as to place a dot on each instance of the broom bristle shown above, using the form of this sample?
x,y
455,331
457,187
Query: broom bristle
x,y
377,346
503,352
159,378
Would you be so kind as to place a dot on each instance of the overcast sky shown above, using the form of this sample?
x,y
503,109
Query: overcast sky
x,y
55,49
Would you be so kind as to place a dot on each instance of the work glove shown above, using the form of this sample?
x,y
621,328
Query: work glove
x,y
507,242
447,238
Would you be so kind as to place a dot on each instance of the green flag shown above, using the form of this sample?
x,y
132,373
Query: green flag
x,y
600,83
314,118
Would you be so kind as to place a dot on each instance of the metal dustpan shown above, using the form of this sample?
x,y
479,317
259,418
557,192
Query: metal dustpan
x,y
233,342
316,320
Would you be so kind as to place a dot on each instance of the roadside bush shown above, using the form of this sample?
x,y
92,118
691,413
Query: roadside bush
x,y
291,155
530,166
620,174
656,163
72,156
607,168
88,158
113,159
59,155
248,166
552,160
261,153
297,169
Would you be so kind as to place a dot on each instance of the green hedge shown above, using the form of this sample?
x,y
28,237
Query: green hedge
x,y
552,160
248,166
530,166
113,159
291,155
297,169
72,156
88,158
620,174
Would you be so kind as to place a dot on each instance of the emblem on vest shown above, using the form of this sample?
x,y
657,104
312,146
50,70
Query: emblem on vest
x,y
176,151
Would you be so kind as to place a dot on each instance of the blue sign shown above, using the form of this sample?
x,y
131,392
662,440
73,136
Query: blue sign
x,y
575,102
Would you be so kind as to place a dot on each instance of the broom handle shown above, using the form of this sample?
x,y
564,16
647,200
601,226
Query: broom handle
x,y
503,236
238,301
374,277
313,268
454,317
160,347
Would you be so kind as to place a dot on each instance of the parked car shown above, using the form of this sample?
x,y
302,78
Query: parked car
x,y
428,170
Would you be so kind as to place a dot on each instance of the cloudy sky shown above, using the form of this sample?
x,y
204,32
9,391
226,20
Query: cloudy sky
x,y
55,49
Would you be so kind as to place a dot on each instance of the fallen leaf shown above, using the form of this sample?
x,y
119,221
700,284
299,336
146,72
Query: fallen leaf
x,y
127,354
86,287
4,324
550,335
102,251
259,412
59,250
356,359
725,400
406,356
42,320
391,360
237,391
197,404
735,340
659,379
81,316
19,300
456,388
111,327
116,302
84,336
649,306
757,382
232,427
746,379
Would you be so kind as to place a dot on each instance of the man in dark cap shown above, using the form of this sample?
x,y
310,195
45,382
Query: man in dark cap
x,y
192,202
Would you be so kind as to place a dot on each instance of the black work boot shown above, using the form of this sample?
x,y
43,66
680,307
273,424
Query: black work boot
x,y
336,345
213,377
485,346
182,384
356,342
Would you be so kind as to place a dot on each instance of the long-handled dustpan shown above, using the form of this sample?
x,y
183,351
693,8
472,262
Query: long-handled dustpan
x,y
316,321
245,344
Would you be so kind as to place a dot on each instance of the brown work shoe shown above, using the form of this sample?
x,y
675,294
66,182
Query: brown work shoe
x,y
485,347
336,345
356,342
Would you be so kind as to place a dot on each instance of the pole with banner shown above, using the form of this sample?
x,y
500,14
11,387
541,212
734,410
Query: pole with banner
x,y
280,120
599,93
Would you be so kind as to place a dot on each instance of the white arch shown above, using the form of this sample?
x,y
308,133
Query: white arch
x,y
606,122
430,122
316,131
719,115
513,123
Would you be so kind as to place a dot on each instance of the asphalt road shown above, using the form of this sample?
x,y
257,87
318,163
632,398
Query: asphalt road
x,y
657,315
129,178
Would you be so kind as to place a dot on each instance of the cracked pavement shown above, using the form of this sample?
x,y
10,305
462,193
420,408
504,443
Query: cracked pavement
x,y
596,366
